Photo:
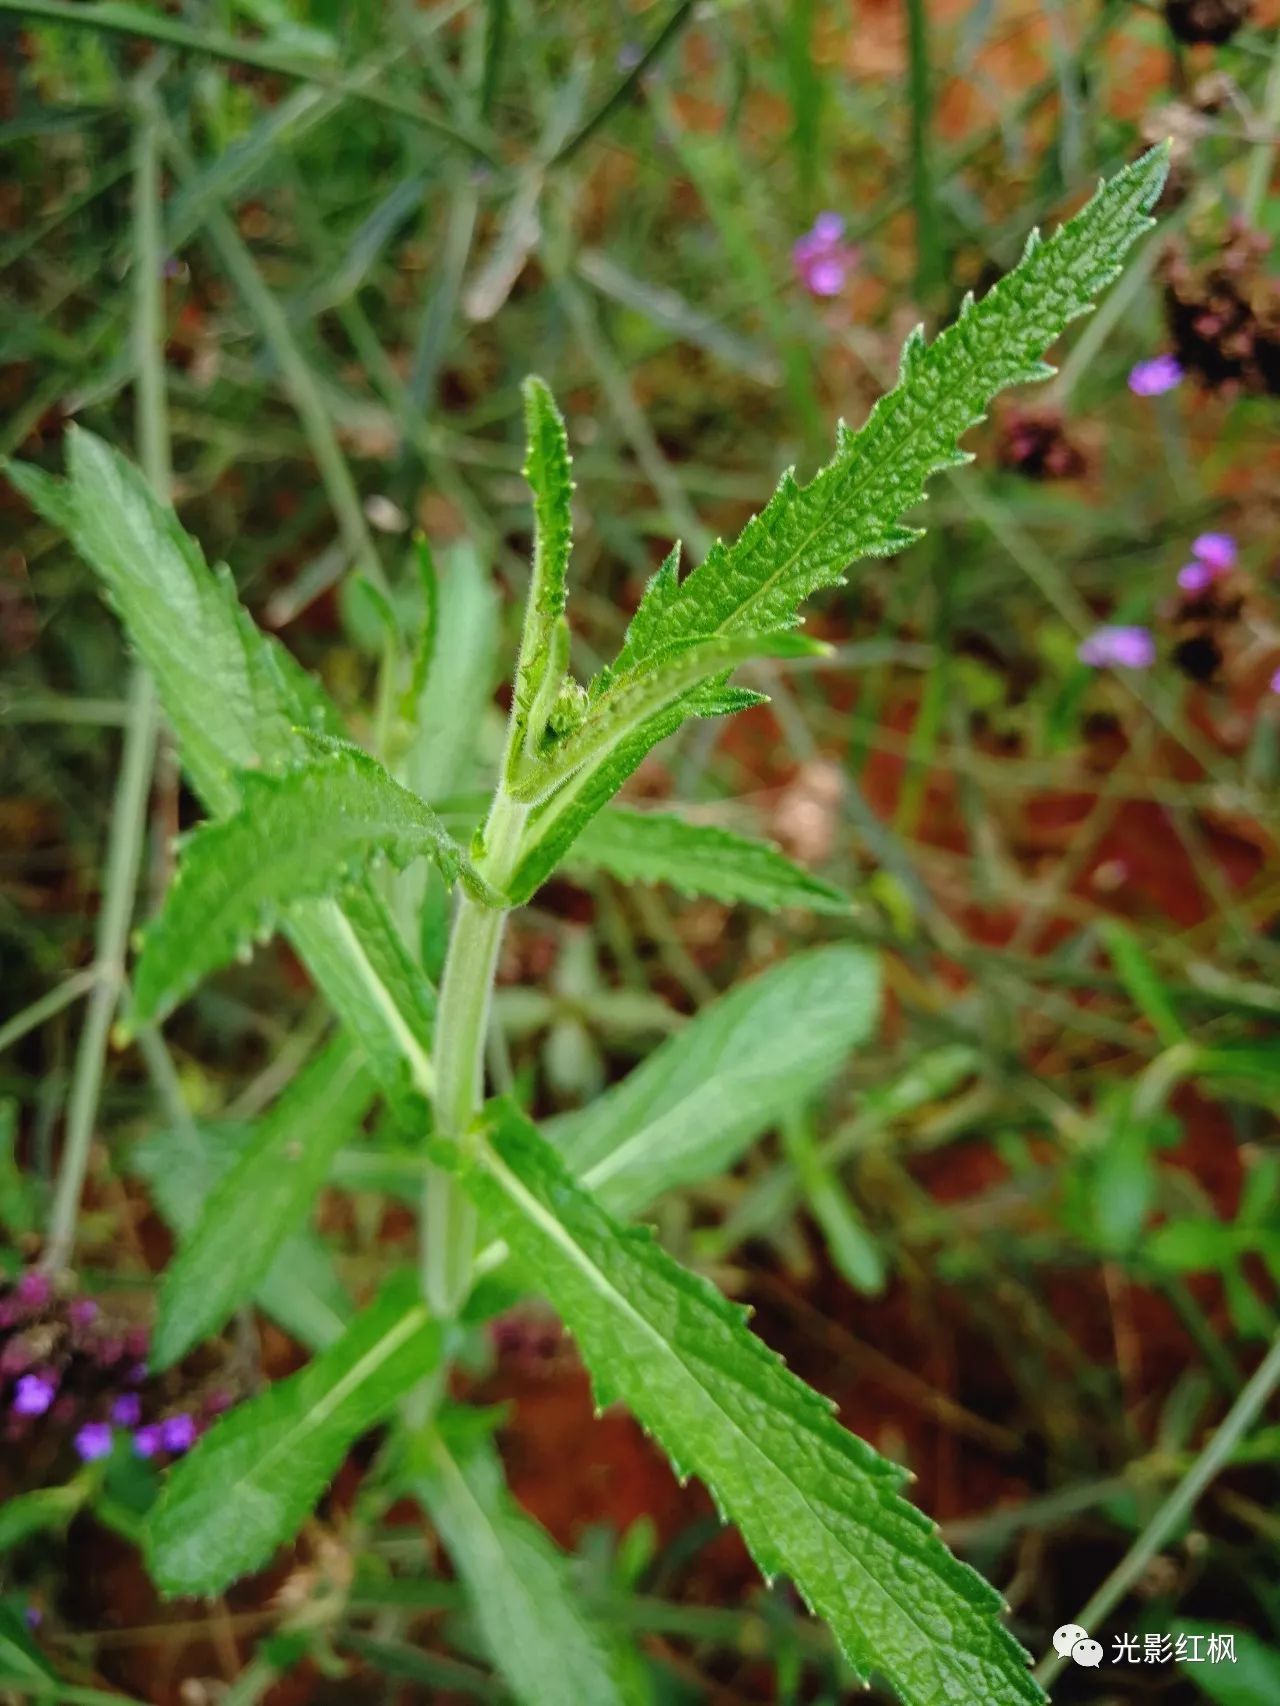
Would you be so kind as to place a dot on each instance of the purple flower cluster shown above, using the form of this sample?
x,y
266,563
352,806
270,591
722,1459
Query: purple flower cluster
x,y
1125,646
67,1367
1118,646
822,259
1154,377
1212,556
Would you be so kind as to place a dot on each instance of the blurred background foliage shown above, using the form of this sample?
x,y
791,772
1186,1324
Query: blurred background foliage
x,y
1030,1240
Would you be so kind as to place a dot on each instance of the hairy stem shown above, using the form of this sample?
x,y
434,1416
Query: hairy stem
x,y
449,1220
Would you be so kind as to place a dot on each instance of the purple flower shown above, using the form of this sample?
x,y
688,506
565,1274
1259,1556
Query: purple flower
x,y
822,258
94,1441
1215,551
146,1442
178,1433
127,1410
1118,647
1195,577
1275,682
1153,378
34,1394
83,1313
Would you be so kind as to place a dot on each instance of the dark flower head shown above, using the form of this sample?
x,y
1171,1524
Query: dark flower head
x,y
35,1290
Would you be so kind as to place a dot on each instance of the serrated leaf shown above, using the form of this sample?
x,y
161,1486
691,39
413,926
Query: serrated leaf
x,y
809,1498
699,859
694,1105
296,836
250,1483
808,535
261,1201
541,1641
236,700
544,643
300,1291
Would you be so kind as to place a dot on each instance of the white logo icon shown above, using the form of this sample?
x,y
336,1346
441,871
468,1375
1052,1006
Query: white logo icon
x,y
1071,1641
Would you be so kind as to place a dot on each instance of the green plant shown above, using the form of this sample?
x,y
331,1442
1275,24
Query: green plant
x,y
299,819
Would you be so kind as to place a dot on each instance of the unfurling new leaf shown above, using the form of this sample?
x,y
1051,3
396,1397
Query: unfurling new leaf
x,y
544,645
810,1498
807,536
297,836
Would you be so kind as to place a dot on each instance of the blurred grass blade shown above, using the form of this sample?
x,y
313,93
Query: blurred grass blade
x,y
852,1248
120,18
1142,981
519,1585
261,1201
693,1106
250,1483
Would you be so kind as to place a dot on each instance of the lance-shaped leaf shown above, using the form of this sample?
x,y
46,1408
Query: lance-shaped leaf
x,y
237,701
544,648
263,1200
300,1291
808,535
696,1103
296,836
810,1499
699,859
251,1482
525,1601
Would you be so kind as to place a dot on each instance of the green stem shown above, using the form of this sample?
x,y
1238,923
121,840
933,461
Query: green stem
x,y
462,1023
929,270
128,815
1177,1507
1258,179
